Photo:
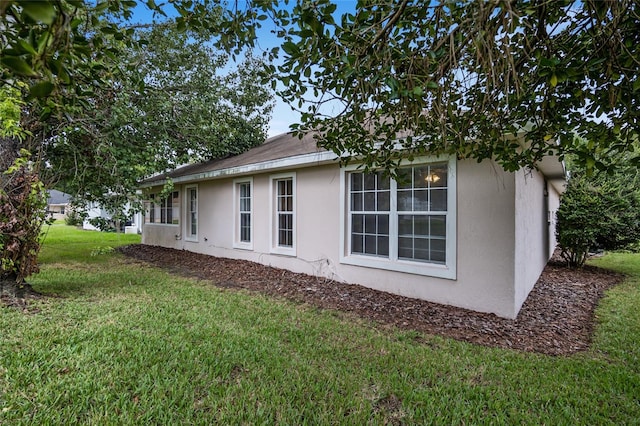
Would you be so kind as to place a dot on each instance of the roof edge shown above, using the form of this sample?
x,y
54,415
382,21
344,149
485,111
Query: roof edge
x,y
304,160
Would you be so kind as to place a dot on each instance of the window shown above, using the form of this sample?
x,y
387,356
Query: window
x,y
192,213
284,232
243,231
405,224
163,210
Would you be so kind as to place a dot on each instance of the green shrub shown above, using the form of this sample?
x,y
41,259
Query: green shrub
x,y
73,218
598,212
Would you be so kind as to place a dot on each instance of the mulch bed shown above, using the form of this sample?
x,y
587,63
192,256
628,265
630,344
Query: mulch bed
x,y
556,319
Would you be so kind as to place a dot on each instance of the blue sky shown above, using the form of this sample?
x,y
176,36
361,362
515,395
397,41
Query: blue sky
x,y
283,115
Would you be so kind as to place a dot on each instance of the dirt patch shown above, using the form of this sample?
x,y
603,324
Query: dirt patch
x,y
16,295
556,319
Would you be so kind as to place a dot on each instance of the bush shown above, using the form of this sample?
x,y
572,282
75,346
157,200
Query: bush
x,y
598,212
23,202
73,218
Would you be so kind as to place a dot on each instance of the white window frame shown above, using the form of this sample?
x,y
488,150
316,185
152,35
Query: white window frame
x,y
187,209
156,204
275,247
392,263
237,242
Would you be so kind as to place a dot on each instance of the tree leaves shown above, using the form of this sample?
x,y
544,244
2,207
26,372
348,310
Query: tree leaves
x,y
39,11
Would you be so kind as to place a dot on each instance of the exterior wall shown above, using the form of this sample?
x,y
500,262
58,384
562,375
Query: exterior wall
x,y
553,201
95,210
486,235
535,234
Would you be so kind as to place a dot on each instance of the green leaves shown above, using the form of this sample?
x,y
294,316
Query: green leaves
x,y
18,66
39,11
41,90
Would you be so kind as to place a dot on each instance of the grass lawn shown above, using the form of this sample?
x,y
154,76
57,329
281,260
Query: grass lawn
x,y
119,343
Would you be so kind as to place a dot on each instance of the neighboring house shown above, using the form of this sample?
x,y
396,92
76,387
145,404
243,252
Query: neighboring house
x,y
94,210
58,204
451,231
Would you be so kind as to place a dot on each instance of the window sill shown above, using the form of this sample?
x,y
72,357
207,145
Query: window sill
x,y
243,246
284,251
415,268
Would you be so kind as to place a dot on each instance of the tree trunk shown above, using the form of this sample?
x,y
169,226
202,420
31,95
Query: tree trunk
x,y
15,290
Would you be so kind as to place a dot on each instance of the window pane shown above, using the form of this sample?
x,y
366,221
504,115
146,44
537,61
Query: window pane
x,y
357,223
245,219
405,248
370,224
438,200
383,224
405,201
369,201
383,182
421,225
421,248
438,251
356,243
289,186
405,225
439,176
356,202
370,181
438,226
383,246
245,234
404,178
422,177
370,244
383,201
356,181
421,200
289,204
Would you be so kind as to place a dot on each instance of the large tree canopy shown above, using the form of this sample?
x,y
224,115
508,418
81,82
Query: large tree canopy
x,y
454,75
457,75
177,102
110,102
100,103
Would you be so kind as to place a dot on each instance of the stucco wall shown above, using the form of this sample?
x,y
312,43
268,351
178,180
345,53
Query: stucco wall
x,y
533,237
486,252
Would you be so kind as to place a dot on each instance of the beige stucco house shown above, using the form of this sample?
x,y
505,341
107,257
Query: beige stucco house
x,y
450,231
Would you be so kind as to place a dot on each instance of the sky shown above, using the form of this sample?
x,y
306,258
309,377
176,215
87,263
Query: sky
x,y
283,115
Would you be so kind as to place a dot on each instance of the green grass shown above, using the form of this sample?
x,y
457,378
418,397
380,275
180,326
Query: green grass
x,y
125,344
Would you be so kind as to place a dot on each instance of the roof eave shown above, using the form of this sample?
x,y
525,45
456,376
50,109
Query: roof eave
x,y
298,161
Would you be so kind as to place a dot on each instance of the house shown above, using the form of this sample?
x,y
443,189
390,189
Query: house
x,y
96,215
58,204
450,231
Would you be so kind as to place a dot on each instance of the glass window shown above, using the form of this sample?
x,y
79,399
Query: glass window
x,y
164,210
192,212
415,203
284,212
244,211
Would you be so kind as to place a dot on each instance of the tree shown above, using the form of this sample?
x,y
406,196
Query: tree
x,y
599,211
174,104
89,93
455,76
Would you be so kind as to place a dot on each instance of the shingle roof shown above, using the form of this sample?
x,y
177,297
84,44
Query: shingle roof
x,y
277,147
58,197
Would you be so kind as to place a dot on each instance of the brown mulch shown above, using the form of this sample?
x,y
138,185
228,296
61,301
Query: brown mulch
x,y
556,319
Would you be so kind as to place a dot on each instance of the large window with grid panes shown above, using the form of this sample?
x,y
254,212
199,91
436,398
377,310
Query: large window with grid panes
x,y
163,209
406,223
